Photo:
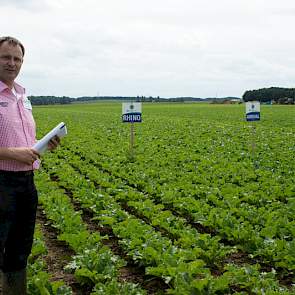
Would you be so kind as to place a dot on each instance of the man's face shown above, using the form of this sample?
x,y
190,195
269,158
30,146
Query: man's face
x,y
11,59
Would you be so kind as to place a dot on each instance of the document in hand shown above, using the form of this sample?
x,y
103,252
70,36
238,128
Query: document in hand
x,y
41,146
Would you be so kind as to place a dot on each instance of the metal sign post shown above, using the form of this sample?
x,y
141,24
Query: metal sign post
x,y
131,113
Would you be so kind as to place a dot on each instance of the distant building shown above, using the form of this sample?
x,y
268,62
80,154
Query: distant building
x,y
235,100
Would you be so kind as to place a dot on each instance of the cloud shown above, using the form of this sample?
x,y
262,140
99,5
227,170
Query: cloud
x,y
29,5
166,48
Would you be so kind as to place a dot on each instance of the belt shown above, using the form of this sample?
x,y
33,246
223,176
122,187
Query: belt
x,y
16,173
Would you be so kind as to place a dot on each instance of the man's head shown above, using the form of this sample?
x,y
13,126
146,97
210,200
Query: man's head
x,y
11,59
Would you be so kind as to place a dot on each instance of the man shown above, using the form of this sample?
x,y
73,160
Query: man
x,y
18,160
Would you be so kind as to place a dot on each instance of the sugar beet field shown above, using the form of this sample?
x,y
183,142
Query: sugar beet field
x,y
206,205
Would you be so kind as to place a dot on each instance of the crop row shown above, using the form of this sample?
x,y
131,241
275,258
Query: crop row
x,y
261,232
39,280
195,167
93,264
178,265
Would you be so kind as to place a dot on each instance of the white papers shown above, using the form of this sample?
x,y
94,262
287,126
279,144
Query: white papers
x,y
42,145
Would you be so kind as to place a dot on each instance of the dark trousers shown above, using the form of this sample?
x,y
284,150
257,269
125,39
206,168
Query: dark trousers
x,y
18,205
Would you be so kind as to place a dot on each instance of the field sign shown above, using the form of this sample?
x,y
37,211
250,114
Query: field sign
x,y
131,112
252,110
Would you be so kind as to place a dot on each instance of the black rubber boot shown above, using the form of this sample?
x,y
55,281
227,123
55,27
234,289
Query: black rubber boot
x,y
1,279
15,283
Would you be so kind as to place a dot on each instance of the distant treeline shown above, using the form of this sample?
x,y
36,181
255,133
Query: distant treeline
x,y
48,100
45,100
273,94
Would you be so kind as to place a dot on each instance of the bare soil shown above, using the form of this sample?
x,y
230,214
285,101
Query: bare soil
x,y
131,273
59,255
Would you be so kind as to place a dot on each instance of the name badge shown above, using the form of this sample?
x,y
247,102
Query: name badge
x,y
27,104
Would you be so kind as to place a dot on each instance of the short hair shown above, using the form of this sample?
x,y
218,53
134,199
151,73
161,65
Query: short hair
x,y
13,41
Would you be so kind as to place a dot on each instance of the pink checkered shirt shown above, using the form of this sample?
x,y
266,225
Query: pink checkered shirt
x,y
17,126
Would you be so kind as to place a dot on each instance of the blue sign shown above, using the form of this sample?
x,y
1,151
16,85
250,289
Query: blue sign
x,y
254,116
131,112
252,111
131,118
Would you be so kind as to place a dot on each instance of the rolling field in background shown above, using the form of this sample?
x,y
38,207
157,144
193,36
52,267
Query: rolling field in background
x,y
206,206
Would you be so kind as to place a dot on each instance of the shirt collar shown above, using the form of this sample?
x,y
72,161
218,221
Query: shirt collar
x,y
18,88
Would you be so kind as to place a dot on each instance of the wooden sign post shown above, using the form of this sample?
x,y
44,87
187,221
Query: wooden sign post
x,y
252,115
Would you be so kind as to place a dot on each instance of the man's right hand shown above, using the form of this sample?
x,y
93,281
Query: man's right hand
x,y
25,155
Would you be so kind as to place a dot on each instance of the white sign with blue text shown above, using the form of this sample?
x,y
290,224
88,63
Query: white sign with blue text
x,y
131,112
252,110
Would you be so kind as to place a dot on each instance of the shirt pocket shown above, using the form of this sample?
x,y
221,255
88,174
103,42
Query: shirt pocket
x,y
9,116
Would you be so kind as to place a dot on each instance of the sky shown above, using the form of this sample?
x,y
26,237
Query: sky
x,y
166,48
